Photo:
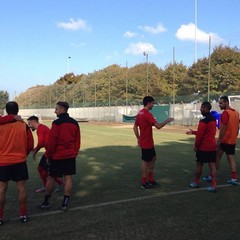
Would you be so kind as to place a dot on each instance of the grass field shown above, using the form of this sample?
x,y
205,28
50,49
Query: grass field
x,y
108,203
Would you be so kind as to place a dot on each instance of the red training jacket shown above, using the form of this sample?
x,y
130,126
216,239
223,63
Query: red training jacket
x,y
16,142
7,119
205,135
64,138
43,134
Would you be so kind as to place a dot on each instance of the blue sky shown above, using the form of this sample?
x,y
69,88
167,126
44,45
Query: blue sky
x,y
39,36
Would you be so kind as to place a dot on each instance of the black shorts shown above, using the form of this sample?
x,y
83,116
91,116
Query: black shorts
x,y
63,167
148,154
206,156
229,149
43,163
16,172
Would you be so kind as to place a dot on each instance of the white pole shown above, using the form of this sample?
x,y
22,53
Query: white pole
x,y
195,33
69,65
209,68
146,55
173,75
174,97
95,93
126,83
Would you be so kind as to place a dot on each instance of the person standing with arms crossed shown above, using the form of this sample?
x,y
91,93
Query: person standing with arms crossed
x,y
63,147
43,167
227,139
144,122
16,142
205,146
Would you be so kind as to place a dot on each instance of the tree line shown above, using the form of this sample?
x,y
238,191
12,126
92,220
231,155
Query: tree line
x,y
210,76
4,98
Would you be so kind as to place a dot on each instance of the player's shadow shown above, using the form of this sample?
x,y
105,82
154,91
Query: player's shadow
x,y
113,172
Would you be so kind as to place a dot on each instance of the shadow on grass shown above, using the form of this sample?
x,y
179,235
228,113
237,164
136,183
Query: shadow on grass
x,y
114,172
111,173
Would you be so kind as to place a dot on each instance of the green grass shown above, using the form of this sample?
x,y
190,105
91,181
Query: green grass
x,y
108,170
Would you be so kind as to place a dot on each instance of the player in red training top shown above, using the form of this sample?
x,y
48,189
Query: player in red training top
x,y
43,167
227,139
63,147
205,146
10,118
144,122
16,142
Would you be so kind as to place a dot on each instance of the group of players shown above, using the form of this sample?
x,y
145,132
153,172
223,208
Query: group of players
x,y
207,149
62,144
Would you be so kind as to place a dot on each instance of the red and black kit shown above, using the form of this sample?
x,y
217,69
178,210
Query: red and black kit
x,y
205,135
64,138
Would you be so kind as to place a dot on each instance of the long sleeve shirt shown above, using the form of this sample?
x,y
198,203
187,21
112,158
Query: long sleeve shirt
x,y
64,138
16,142
205,134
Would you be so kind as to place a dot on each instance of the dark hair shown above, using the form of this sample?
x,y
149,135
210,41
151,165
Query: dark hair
x,y
33,118
207,105
12,108
65,105
224,98
147,99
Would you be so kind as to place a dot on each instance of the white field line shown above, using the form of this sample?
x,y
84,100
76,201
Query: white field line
x,y
97,205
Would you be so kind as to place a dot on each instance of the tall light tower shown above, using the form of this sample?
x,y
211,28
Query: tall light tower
x,y
195,32
69,64
146,55
126,83
209,68
174,79
109,91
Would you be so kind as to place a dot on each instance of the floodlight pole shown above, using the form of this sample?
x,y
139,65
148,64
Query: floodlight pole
x,y
64,89
173,75
69,65
146,55
174,79
64,79
126,83
95,93
109,91
195,32
209,68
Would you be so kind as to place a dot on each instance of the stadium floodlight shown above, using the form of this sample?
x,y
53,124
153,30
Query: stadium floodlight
x,y
195,30
69,64
146,55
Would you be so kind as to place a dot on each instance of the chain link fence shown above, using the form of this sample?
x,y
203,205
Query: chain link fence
x,y
184,114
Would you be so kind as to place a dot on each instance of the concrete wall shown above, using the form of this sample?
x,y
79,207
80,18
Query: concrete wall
x,y
107,114
184,114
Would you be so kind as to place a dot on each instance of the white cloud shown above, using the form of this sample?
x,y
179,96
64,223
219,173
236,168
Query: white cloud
x,y
187,32
129,34
78,24
113,55
140,47
159,29
78,45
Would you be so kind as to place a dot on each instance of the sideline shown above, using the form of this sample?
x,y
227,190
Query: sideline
x,y
97,205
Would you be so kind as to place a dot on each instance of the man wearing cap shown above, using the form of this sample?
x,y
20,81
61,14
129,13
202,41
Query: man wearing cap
x,y
63,146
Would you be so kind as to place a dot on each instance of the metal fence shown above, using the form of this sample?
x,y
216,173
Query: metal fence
x,y
184,114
